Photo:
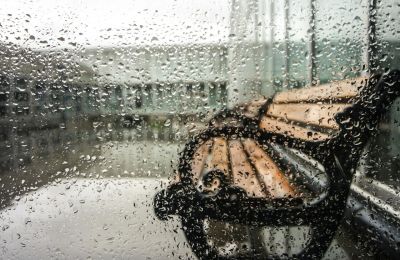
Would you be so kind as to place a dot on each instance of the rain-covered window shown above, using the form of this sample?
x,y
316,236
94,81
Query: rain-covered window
x,y
212,129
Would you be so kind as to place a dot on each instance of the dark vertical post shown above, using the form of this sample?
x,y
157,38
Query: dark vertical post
x,y
312,70
371,38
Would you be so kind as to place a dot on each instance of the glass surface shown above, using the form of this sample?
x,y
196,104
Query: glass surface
x,y
102,103
340,38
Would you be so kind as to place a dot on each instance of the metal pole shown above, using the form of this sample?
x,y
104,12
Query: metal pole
x,y
370,52
312,70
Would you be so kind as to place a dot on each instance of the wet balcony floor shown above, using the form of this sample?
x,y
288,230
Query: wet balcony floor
x,y
95,202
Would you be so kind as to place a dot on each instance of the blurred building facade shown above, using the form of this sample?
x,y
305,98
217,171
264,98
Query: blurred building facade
x,y
166,91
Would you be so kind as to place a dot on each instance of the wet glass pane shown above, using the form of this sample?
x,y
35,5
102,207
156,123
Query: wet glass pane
x,y
298,35
213,129
341,31
387,33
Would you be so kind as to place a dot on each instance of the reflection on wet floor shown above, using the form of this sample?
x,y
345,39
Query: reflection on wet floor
x,y
90,218
84,191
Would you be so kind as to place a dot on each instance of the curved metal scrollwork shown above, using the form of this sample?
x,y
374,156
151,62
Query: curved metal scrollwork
x,y
339,156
